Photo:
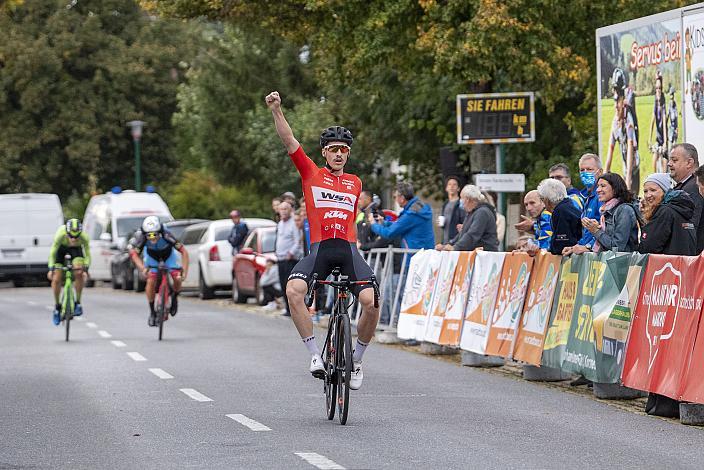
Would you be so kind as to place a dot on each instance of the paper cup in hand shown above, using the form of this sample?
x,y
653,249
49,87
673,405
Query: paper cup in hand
x,y
441,221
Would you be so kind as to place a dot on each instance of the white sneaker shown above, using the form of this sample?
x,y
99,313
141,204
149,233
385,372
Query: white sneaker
x,y
357,376
316,367
270,306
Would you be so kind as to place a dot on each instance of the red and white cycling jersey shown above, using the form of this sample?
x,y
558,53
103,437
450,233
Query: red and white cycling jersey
x,y
331,201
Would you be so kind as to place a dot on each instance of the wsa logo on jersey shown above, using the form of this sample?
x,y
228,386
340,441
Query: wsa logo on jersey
x,y
336,215
323,197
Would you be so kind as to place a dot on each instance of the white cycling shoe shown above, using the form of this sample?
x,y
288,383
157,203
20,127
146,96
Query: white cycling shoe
x,y
357,376
317,369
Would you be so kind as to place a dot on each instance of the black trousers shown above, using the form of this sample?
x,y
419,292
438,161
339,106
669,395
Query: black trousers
x,y
285,268
271,293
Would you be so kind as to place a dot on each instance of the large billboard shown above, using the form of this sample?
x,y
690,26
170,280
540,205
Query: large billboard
x,y
693,109
639,66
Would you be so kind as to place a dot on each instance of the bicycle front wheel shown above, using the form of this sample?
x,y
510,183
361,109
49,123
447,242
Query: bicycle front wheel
x,y
344,367
330,383
68,311
161,310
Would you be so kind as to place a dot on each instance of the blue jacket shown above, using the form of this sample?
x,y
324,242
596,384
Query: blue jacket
x,y
543,229
576,198
590,211
414,226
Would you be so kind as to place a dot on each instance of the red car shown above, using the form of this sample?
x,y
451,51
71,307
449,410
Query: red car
x,y
250,262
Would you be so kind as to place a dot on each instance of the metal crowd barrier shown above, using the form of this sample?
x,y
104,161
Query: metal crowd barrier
x,y
391,284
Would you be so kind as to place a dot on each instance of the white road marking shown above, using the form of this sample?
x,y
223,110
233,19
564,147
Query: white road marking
x,y
90,324
104,334
319,461
161,373
30,302
118,344
250,423
78,318
136,356
195,394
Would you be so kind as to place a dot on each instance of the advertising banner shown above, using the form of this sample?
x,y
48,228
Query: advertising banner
x,y
612,311
457,303
561,314
509,303
694,78
664,325
436,312
694,381
482,298
411,321
580,353
640,96
536,311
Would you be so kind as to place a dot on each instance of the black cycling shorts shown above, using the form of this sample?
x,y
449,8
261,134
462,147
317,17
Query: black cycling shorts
x,y
74,251
331,253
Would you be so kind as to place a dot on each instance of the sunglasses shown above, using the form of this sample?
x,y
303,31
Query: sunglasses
x,y
345,149
153,235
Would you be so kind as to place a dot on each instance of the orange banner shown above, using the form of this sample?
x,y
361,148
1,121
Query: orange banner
x,y
509,303
443,287
457,303
536,311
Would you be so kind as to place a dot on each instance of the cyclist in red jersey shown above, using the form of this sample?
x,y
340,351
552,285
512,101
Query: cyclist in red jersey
x,y
331,203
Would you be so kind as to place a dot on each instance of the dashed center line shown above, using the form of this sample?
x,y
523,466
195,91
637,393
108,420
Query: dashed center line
x,y
250,423
195,394
32,303
319,461
161,373
104,334
118,344
136,356
90,324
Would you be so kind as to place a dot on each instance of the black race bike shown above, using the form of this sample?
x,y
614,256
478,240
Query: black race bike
x,y
337,349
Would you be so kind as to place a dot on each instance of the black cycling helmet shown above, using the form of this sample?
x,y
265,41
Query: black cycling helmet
x,y
336,134
618,82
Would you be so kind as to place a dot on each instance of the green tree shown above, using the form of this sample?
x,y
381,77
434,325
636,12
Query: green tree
x,y
71,75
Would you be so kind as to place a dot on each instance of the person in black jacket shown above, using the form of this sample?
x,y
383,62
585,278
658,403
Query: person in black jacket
x,y
479,227
452,212
668,230
566,222
239,232
682,164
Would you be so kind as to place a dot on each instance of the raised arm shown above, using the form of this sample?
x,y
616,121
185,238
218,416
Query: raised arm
x,y
273,101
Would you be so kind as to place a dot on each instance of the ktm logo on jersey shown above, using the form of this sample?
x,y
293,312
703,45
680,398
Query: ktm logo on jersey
x,y
335,215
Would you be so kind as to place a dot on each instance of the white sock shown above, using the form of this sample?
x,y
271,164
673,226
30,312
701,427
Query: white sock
x,y
359,349
311,345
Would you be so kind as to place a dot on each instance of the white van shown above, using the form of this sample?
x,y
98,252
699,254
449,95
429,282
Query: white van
x,y
29,223
110,218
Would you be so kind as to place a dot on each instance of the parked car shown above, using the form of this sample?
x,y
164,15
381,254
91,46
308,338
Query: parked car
x,y
123,273
110,217
210,254
249,264
29,223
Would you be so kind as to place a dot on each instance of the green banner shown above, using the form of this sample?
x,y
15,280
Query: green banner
x,y
580,353
612,311
561,313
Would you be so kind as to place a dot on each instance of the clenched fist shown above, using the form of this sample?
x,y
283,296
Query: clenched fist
x,y
273,100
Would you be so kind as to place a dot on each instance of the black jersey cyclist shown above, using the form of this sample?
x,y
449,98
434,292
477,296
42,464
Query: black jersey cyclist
x,y
331,202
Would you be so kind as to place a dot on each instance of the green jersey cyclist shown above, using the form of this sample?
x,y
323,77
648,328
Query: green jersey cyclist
x,y
69,240
331,197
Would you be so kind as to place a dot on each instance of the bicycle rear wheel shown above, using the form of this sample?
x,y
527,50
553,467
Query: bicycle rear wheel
x,y
330,383
344,367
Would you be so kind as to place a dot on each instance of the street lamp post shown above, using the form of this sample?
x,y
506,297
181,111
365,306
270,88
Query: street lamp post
x,y
136,127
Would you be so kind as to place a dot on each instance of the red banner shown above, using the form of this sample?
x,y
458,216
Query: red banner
x,y
694,381
664,326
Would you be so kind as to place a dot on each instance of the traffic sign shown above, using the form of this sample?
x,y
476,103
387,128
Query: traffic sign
x,y
511,183
495,118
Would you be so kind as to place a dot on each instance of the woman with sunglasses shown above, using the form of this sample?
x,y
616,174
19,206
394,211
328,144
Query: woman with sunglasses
x,y
331,203
69,240
154,243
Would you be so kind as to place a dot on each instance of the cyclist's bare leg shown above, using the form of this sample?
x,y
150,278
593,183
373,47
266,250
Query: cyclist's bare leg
x,y
78,282
57,280
296,290
150,288
370,316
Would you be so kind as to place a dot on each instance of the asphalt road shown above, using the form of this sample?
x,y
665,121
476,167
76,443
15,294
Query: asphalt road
x,y
229,388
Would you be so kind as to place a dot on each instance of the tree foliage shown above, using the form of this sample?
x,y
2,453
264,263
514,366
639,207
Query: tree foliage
x,y
71,75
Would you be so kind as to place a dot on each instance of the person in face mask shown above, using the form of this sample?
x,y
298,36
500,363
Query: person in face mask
x,y
589,172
